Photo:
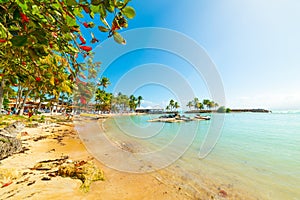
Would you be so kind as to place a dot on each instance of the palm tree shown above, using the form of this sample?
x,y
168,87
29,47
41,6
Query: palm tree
x,y
211,104
103,100
206,102
189,104
106,104
199,106
176,105
196,101
132,103
104,82
171,104
216,105
139,99
99,98
168,108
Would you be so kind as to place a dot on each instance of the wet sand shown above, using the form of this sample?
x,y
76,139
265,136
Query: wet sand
x,y
54,141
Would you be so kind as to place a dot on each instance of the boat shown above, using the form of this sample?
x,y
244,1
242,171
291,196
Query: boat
x,y
202,117
184,118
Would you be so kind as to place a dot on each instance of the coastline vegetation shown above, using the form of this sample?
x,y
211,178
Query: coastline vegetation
x,y
198,105
42,43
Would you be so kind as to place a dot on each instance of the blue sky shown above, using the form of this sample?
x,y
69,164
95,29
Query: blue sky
x,y
255,46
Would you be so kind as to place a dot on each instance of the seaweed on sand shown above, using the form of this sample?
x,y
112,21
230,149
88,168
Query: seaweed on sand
x,y
87,172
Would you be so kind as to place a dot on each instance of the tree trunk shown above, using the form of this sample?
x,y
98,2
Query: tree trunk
x,y
51,108
2,85
18,100
40,105
24,102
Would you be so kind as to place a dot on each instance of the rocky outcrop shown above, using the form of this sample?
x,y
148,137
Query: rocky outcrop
x,y
9,144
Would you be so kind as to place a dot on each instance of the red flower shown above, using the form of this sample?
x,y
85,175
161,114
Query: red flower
x,y
85,48
23,63
56,81
3,40
86,25
38,79
82,40
24,18
115,26
82,100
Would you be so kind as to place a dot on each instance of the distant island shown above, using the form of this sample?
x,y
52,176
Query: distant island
x,y
231,110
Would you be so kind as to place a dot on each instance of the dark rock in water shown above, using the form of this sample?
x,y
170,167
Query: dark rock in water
x,y
9,144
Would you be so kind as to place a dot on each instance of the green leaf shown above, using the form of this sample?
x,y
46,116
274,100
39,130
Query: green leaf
x,y
120,4
95,9
55,5
78,12
19,40
102,11
103,29
109,5
118,38
23,5
73,49
14,28
70,21
71,2
35,9
91,24
92,15
65,28
41,36
95,2
129,12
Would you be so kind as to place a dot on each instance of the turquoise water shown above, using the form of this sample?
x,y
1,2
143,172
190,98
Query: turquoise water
x,y
257,154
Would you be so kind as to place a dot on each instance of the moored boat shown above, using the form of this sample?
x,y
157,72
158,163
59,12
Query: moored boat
x,y
202,117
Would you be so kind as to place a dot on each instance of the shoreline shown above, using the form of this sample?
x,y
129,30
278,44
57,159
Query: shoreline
x,y
181,181
29,184
55,140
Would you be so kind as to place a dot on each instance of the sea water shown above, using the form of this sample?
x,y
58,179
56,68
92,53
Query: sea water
x,y
257,153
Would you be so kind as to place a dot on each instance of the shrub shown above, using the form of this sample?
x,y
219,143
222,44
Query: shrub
x,y
221,109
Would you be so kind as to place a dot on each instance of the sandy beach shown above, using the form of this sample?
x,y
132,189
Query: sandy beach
x,y
54,141
22,176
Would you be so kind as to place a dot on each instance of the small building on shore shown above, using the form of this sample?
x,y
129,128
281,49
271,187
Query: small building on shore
x,y
150,110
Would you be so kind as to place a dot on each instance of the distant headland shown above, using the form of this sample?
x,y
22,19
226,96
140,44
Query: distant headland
x,y
254,110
